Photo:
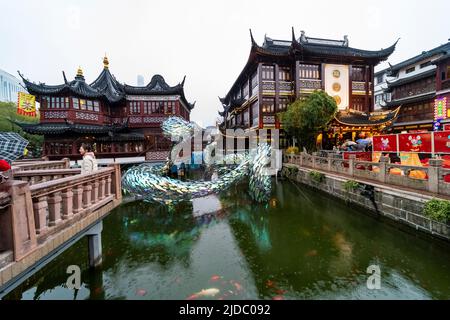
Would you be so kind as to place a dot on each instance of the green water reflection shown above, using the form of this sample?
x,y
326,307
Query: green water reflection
x,y
304,245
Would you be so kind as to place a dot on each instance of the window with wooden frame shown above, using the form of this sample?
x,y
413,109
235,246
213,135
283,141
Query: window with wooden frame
x,y
284,74
283,104
268,105
309,71
268,72
76,103
358,74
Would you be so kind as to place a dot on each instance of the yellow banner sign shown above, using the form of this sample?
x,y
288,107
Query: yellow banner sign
x,y
26,104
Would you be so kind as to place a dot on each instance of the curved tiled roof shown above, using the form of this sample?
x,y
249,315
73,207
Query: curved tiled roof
x,y
355,118
60,128
108,86
156,86
77,86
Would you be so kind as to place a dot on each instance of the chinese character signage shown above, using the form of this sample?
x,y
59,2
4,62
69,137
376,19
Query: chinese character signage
x,y
385,143
26,105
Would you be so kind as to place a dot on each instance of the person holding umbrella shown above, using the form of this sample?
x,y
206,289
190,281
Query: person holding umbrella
x,y
12,147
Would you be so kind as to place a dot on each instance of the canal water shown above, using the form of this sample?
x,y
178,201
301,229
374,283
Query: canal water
x,y
302,245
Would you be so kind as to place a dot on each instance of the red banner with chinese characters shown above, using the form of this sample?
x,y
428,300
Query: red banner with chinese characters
x,y
385,143
442,142
417,142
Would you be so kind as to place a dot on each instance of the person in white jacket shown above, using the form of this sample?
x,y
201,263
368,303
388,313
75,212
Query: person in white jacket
x,y
89,163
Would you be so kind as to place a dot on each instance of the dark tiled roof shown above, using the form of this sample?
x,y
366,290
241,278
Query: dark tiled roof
x,y
399,82
407,100
317,46
156,86
424,55
77,86
355,118
108,86
60,128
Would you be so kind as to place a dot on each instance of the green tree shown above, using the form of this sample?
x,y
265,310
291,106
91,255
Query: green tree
x,y
306,118
8,114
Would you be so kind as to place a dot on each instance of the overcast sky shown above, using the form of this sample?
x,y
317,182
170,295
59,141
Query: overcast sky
x,y
208,41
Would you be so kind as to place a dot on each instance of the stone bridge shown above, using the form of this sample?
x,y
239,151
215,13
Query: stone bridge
x,y
44,208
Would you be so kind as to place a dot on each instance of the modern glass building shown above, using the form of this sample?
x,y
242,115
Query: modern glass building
x,y
9,87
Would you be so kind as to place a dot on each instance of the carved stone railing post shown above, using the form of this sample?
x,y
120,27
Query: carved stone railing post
x,y
77,199
95,186
66,163
101,189
382,165
54,208
329,161
351,164
108,186
21,217
433,174
87,193
116,183
40,208
67,203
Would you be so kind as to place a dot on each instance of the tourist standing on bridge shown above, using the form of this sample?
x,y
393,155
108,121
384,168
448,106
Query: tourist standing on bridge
x,y
89,163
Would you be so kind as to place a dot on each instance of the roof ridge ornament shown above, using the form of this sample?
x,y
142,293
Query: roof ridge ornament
x,y
252,39
345,44
303,37
64,76
79,75
105,62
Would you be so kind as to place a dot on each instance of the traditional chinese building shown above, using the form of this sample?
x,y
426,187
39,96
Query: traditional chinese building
x,y
118,119
421,87
280,71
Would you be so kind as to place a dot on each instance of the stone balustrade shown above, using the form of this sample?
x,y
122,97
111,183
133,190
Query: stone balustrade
x,y
431,178
38,176
40,165
42,209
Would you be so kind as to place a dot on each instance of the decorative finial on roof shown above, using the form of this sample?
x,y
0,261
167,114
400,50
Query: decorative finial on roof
x,y
79,75
64,76
293,35
303,36
346,41
105,62
182,82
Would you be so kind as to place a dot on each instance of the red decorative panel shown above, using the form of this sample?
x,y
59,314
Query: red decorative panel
x,y
362,156
420,142
385,143
442,142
